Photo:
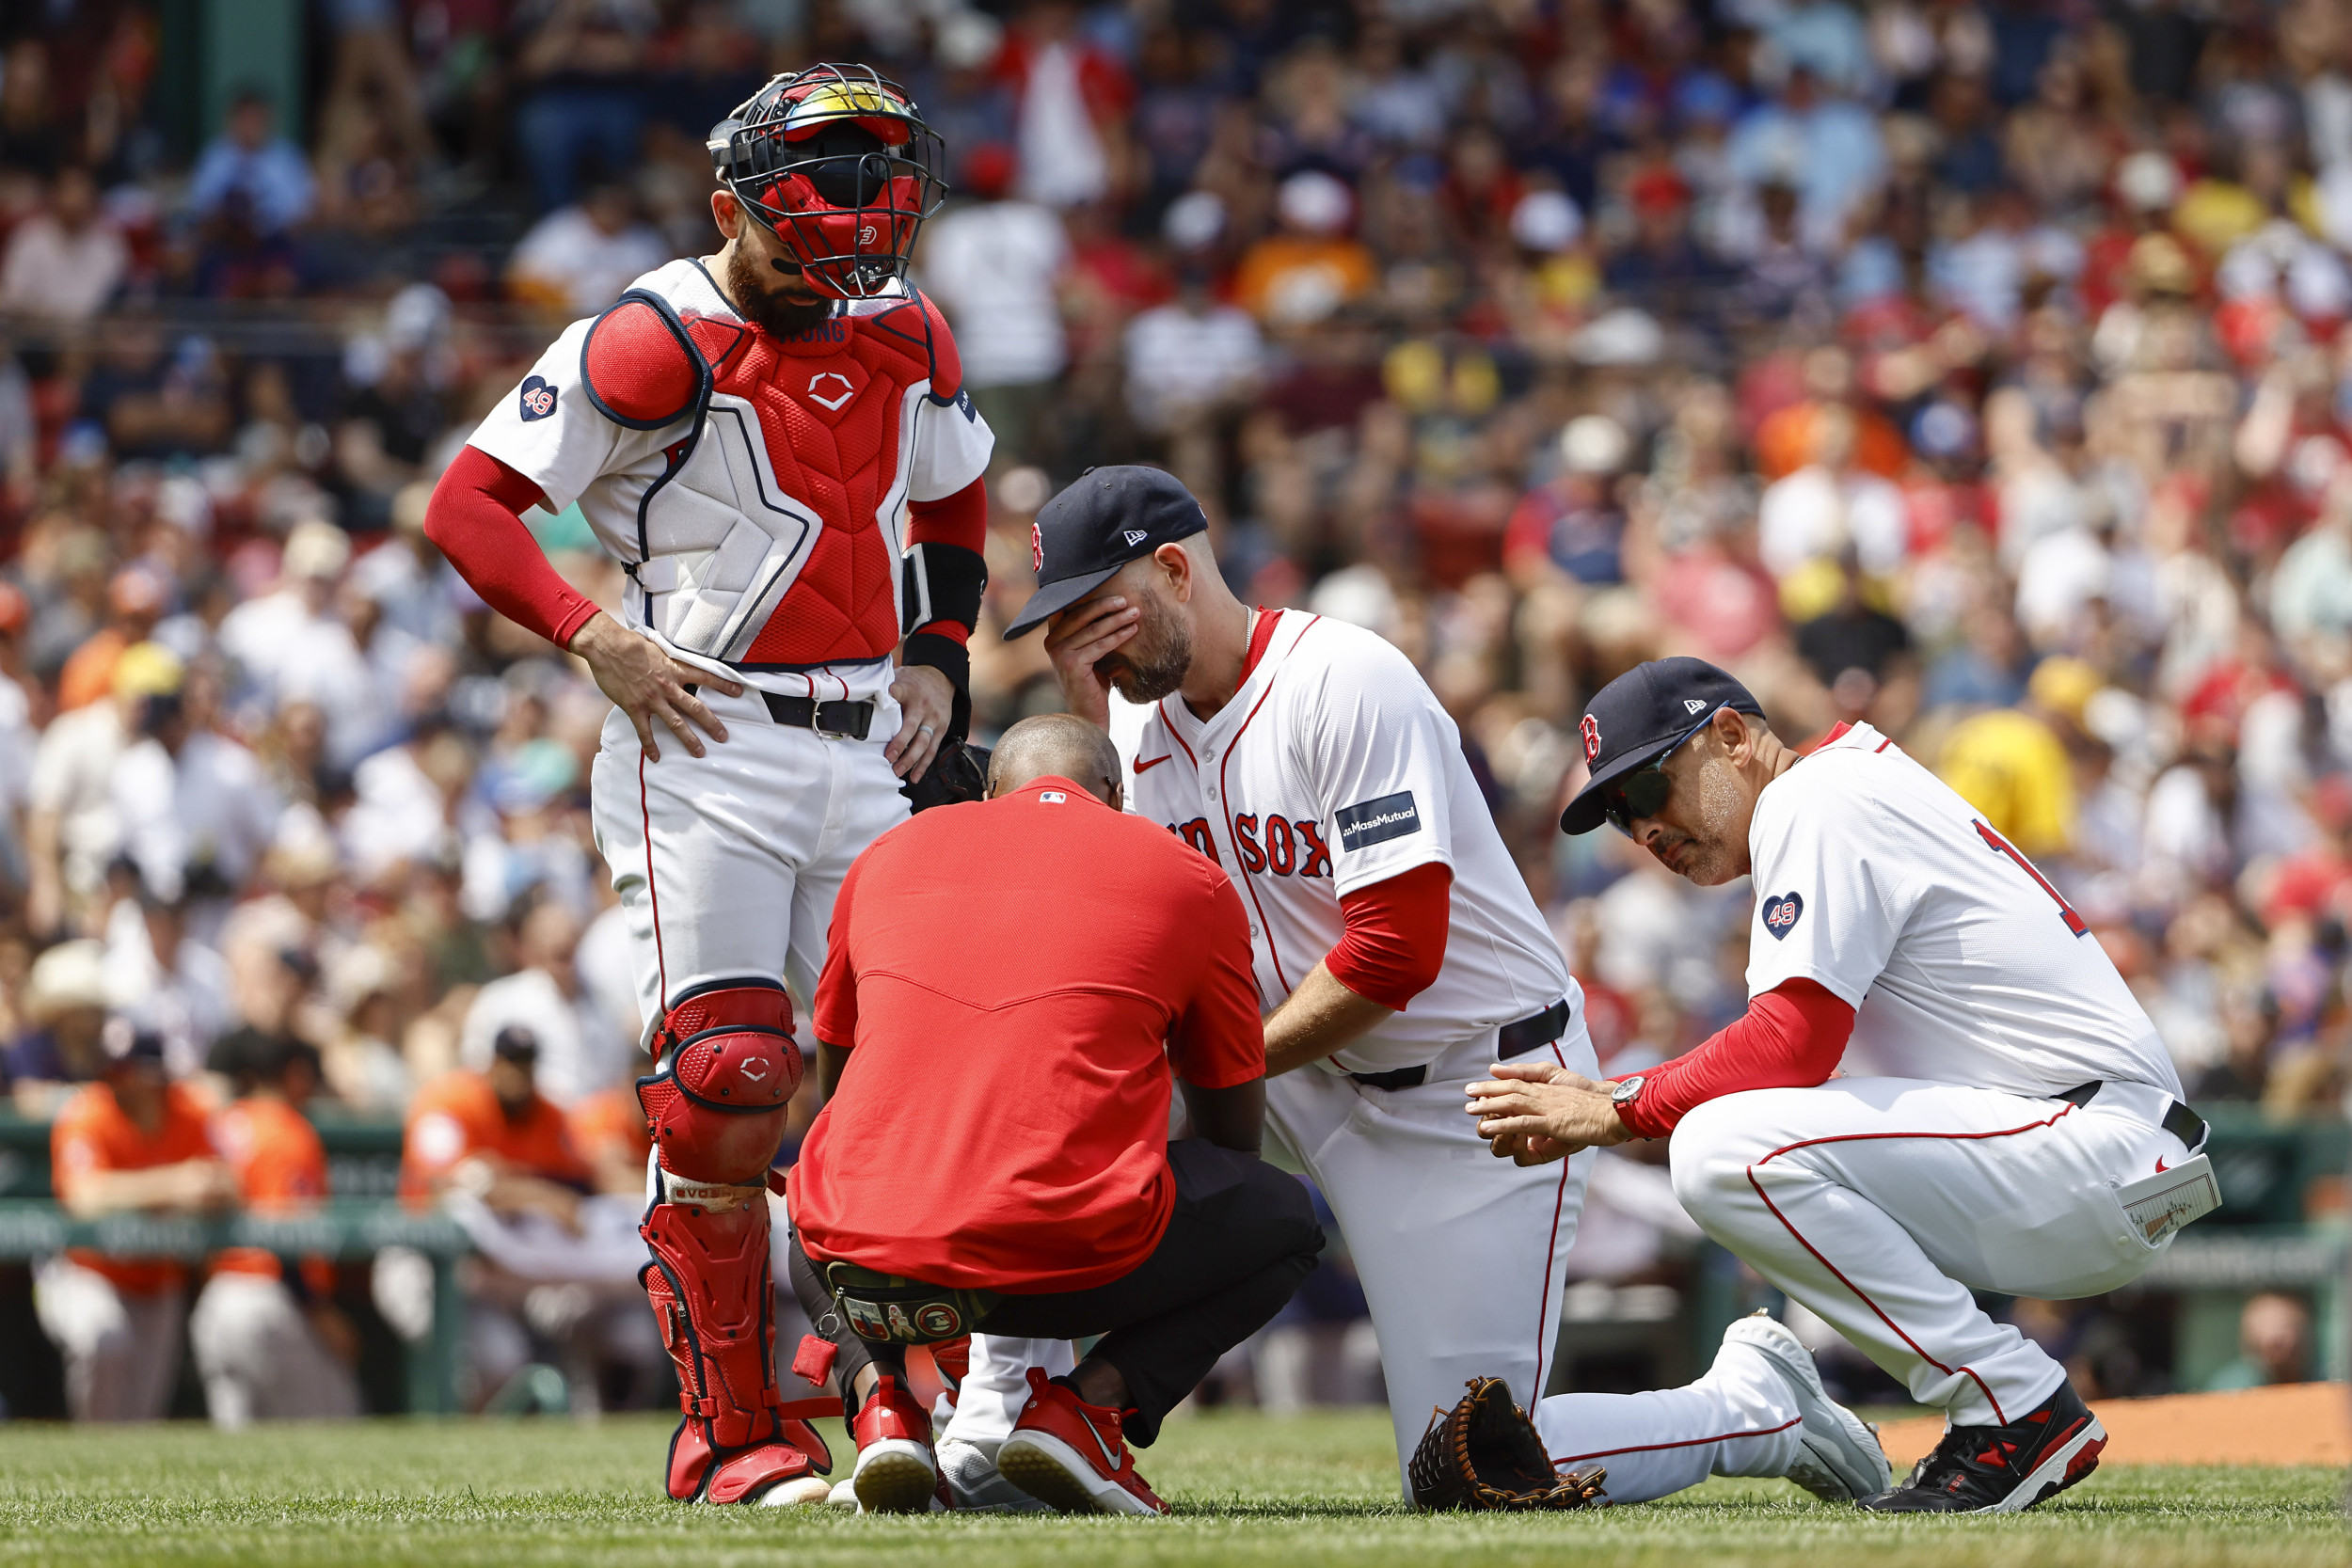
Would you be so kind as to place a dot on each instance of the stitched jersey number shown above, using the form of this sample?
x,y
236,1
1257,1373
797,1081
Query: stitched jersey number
x,y
2002,846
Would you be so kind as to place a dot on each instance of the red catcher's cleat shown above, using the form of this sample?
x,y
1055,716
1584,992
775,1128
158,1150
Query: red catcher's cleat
x,y
1070,1454
896,1470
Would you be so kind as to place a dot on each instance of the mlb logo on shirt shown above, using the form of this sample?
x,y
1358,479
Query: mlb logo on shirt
x,y
1371,822
1780,914
1052,796
538,399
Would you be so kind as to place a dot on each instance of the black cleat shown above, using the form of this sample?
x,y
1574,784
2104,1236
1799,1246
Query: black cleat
x,y
2003,1469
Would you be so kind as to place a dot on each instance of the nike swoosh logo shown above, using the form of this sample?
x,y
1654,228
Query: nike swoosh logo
x,y
1110,1460
2161,1168
1150,762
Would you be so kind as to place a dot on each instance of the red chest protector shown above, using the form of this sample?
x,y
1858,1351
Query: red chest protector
x,y
828,409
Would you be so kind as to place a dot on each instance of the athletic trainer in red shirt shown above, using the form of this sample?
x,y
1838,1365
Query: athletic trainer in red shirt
x,y
996,1154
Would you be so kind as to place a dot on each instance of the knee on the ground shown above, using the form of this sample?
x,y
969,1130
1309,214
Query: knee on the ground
x,y
1709,1158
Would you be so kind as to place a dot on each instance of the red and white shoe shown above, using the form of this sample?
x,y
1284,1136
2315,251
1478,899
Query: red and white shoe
x,y
1070,1454
896,1471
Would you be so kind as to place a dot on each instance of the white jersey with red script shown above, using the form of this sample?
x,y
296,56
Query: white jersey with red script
x,y
1334,768
754,488
1962,961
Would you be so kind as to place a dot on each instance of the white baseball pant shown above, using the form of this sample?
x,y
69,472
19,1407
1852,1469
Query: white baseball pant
x,y
1879,1203
727,863
121,1349
259,1358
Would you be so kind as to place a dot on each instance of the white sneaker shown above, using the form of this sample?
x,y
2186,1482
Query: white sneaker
x,y
1838,1457
971,1476
799,1494
844,1494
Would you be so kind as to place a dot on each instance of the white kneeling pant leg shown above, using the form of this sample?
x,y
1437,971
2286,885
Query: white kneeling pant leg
x,y
1460,1254
1881,1202
1739,1419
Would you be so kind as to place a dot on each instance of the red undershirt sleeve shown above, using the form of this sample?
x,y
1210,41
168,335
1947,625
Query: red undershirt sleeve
x,y
959,519
475,517
1394,944
1790,1038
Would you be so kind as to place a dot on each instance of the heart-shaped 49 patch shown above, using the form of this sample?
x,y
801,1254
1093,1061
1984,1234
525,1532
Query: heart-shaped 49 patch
x,y
1780,914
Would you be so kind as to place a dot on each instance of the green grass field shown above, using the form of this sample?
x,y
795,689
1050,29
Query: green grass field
x,y
1248,1490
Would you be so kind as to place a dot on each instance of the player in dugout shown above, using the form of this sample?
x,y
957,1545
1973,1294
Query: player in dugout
x,y
1115,961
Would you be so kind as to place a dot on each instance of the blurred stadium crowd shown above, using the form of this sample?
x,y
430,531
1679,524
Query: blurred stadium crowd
x,y
1975,367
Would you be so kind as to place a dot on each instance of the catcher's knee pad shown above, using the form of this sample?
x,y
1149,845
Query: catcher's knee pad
x,y
708,1284
726,1068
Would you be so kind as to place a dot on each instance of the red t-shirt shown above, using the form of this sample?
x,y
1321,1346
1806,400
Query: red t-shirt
x,y
1016,978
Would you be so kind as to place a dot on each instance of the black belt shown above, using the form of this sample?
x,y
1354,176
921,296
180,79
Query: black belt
x,y
851,720
848,720
2182,1122
1532,1033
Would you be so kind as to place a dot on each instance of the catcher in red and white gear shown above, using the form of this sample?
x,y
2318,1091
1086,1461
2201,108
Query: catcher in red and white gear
x,y
776,443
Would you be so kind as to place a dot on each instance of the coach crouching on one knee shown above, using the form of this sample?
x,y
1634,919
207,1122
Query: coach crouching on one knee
x,y
2018,1129
1009,988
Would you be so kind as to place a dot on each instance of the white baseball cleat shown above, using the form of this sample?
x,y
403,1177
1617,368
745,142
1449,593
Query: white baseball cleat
x,y
978,1487
798,1493
1838,1457
843,1493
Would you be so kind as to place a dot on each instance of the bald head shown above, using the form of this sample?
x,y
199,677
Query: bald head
x,y
1061,744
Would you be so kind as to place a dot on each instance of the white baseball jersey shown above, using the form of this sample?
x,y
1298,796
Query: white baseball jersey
x,y
1962,961
1334,768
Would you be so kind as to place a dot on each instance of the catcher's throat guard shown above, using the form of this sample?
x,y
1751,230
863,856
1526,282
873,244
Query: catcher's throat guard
x,y
836,163
1484,1455
726,1070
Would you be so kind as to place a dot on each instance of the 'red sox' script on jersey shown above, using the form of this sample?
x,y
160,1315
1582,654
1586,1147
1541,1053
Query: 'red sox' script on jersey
x,y
755,488
1332,768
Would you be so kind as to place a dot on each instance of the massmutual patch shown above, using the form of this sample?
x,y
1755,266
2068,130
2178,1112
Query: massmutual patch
x,y
1373,822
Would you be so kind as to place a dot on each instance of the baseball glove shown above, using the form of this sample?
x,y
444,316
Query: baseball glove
x,y
1484,1454
957,774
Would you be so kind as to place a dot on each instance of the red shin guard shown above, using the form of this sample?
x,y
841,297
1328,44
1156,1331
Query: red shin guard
x,y
717,1102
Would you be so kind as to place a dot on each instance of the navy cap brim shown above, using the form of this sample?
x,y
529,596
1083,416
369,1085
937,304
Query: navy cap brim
x,y
1586,812
1056,598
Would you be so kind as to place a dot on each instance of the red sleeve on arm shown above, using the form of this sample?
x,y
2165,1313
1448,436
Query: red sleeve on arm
x,y
1219,1039
1394,944
1790,1038
475,517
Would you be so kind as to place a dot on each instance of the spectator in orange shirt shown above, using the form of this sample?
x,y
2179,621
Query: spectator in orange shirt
x,y
131,1142
609,1131
493,1134
135,600
269,1341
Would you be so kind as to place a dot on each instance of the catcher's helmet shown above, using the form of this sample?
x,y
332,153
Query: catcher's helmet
x,y
836,163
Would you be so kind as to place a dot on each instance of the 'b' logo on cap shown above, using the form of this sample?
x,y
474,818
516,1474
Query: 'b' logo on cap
x,y
1590,729
1037,548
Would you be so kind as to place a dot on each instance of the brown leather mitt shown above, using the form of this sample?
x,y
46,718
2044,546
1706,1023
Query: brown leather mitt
x,y
1484,1454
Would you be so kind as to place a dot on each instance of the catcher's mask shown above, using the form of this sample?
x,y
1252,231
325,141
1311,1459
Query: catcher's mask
x,y
836,163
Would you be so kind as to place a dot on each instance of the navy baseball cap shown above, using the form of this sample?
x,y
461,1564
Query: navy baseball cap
x,y
1087,532
1640,716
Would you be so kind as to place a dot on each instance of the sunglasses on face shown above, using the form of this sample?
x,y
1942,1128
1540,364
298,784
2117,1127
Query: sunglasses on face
x,y
1644,791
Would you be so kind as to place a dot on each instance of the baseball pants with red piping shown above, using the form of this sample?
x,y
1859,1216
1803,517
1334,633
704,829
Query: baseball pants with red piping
x,y
1881,1203
727,863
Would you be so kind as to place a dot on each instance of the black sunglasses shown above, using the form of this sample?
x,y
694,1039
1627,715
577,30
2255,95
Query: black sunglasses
x,y
1645,791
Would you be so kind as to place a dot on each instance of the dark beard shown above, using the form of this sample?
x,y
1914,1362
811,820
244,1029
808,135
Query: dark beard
x,y
1148,678
756,301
